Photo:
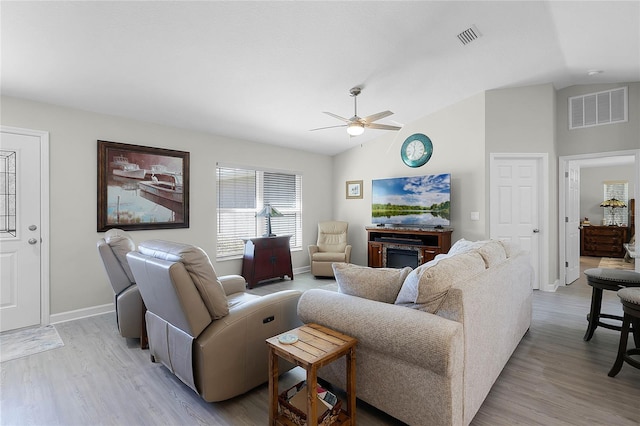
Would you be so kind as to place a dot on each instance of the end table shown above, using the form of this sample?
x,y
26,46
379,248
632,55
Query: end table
x,y
316,347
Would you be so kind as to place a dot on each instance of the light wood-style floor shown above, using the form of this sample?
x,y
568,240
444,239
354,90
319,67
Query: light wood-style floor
x,y
99,378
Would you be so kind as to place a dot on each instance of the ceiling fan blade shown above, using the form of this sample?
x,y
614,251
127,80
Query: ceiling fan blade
x,y
378,116
330,127
346,120
381,126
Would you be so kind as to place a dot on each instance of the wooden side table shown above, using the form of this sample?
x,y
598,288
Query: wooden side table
x,y
316,347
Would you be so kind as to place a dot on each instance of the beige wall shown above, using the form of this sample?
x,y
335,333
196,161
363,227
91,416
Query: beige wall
x,y
522,120
457,133
592,188
77,280
612,137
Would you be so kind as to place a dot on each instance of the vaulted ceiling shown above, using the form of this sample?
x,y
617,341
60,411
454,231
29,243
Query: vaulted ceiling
x,y
265,71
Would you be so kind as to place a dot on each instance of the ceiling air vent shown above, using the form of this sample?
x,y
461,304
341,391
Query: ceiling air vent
x,y
468,35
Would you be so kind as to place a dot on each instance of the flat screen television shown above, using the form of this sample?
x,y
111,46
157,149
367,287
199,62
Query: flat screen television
x,y
421,201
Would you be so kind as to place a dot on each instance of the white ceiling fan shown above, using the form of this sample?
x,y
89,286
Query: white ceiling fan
x,y
356,125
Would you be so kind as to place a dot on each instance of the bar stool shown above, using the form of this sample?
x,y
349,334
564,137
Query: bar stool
x,y
606,279
630,298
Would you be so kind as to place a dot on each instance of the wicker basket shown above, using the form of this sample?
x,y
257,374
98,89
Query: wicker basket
x,y
298,417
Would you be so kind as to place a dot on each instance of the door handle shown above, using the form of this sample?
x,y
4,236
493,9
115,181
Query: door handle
x,y
32,227
32,241
535,231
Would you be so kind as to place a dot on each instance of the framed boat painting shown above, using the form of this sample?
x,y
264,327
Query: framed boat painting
x,y
142,187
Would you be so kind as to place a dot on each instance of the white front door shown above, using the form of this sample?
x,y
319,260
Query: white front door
x,y
516,206
572,223
20,230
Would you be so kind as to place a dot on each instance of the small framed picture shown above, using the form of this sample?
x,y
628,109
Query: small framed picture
x,y
354,189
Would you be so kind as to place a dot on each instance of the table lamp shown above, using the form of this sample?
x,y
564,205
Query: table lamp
x,y
269,212
612,203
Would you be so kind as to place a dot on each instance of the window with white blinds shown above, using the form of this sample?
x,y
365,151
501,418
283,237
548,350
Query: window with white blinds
x,y
242,192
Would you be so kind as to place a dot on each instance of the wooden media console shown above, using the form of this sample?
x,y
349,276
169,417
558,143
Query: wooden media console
x,y
397,247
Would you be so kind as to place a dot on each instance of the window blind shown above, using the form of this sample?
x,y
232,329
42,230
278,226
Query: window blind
x,y
242,192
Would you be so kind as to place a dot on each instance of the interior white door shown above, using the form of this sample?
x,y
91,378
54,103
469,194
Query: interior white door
x,y
514,209
20,234
572,222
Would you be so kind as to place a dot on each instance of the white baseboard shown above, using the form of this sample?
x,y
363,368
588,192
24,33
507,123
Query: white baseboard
x,y
551,287
110,307
81,313
302,270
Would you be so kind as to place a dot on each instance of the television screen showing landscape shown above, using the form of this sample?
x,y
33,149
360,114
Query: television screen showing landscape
x,y
412,201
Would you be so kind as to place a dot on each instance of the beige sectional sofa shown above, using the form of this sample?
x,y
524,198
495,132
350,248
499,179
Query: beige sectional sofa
x,y
431,356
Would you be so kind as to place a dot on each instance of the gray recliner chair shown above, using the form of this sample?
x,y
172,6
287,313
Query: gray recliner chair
x,y
206,329
113,249
331,247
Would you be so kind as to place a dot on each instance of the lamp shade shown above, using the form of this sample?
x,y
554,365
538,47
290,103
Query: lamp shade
x,y
268,211
613,203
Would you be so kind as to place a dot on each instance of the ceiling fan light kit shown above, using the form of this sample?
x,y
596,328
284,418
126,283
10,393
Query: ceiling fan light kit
x,y
355,129
356,125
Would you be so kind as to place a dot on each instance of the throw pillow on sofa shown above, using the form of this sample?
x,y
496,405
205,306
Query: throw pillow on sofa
x,y
426,286
381,284
510,248
462,246
492,252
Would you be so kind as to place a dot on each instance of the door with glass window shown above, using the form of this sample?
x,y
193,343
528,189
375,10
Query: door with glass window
x,y
20,234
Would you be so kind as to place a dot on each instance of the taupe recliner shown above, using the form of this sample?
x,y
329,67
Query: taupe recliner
x,y
113,249
206,329
331,247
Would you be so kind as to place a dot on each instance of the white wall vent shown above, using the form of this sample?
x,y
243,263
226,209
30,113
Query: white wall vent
x,y
468,35
596,109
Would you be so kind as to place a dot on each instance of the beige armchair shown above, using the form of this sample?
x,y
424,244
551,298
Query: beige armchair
x,y
331,247
206,329
113,249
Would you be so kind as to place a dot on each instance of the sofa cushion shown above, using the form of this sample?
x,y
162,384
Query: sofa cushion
x,y
199,267
426,287
409,290
492,253
380,284
510,248
328,257
121,244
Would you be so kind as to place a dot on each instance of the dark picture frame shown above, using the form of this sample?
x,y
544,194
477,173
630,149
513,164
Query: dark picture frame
x,y
142,187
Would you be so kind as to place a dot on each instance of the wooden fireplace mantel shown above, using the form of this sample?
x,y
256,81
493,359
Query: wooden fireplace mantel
x,y
428,242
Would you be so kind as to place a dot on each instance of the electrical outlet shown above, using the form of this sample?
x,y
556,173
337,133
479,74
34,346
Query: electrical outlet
x,y
475,215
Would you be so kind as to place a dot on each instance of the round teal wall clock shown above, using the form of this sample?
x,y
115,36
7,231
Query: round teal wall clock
x,y
416,150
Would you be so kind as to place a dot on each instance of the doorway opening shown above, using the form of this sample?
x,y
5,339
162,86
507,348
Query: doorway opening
x,y
569,202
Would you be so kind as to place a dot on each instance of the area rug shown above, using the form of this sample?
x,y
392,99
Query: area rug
x,y
614,263
29,341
